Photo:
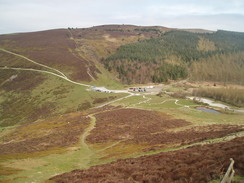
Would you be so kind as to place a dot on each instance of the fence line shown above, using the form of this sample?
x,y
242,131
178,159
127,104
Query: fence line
x,y
230,173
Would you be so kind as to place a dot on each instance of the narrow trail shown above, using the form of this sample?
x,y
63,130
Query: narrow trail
x,y
145,101
88,60
167,100
148,99
88,72
87,132
30,60
226,138
90,128
110,146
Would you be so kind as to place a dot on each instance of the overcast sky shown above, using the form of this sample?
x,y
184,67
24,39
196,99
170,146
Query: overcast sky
x,y
35,15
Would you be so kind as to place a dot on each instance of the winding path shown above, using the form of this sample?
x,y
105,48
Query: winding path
x,y
60,75
226,138
87,132
145,101
34,62
47,72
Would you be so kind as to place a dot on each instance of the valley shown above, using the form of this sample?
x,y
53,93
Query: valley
x,y
70,113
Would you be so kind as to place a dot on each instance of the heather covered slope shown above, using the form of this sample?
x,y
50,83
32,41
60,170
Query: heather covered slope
x,y
52,48
80,140
50,123
196,164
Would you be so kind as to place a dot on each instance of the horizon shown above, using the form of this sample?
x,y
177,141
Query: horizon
x,y
58,28
31,16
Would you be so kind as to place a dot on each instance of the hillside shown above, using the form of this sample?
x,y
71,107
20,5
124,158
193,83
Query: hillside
x,y
67,115
31,96
35,68
127,51
42,94
169,56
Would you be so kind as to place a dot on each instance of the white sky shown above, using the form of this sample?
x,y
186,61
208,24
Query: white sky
x,y
35,15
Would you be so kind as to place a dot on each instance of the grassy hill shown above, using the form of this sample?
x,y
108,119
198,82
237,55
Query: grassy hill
x,y
34,66
50,123
28,95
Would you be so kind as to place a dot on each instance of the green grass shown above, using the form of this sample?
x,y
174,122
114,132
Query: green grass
x,y
48,166
198,117
129,101
106,79
190,114
236,179
53,96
